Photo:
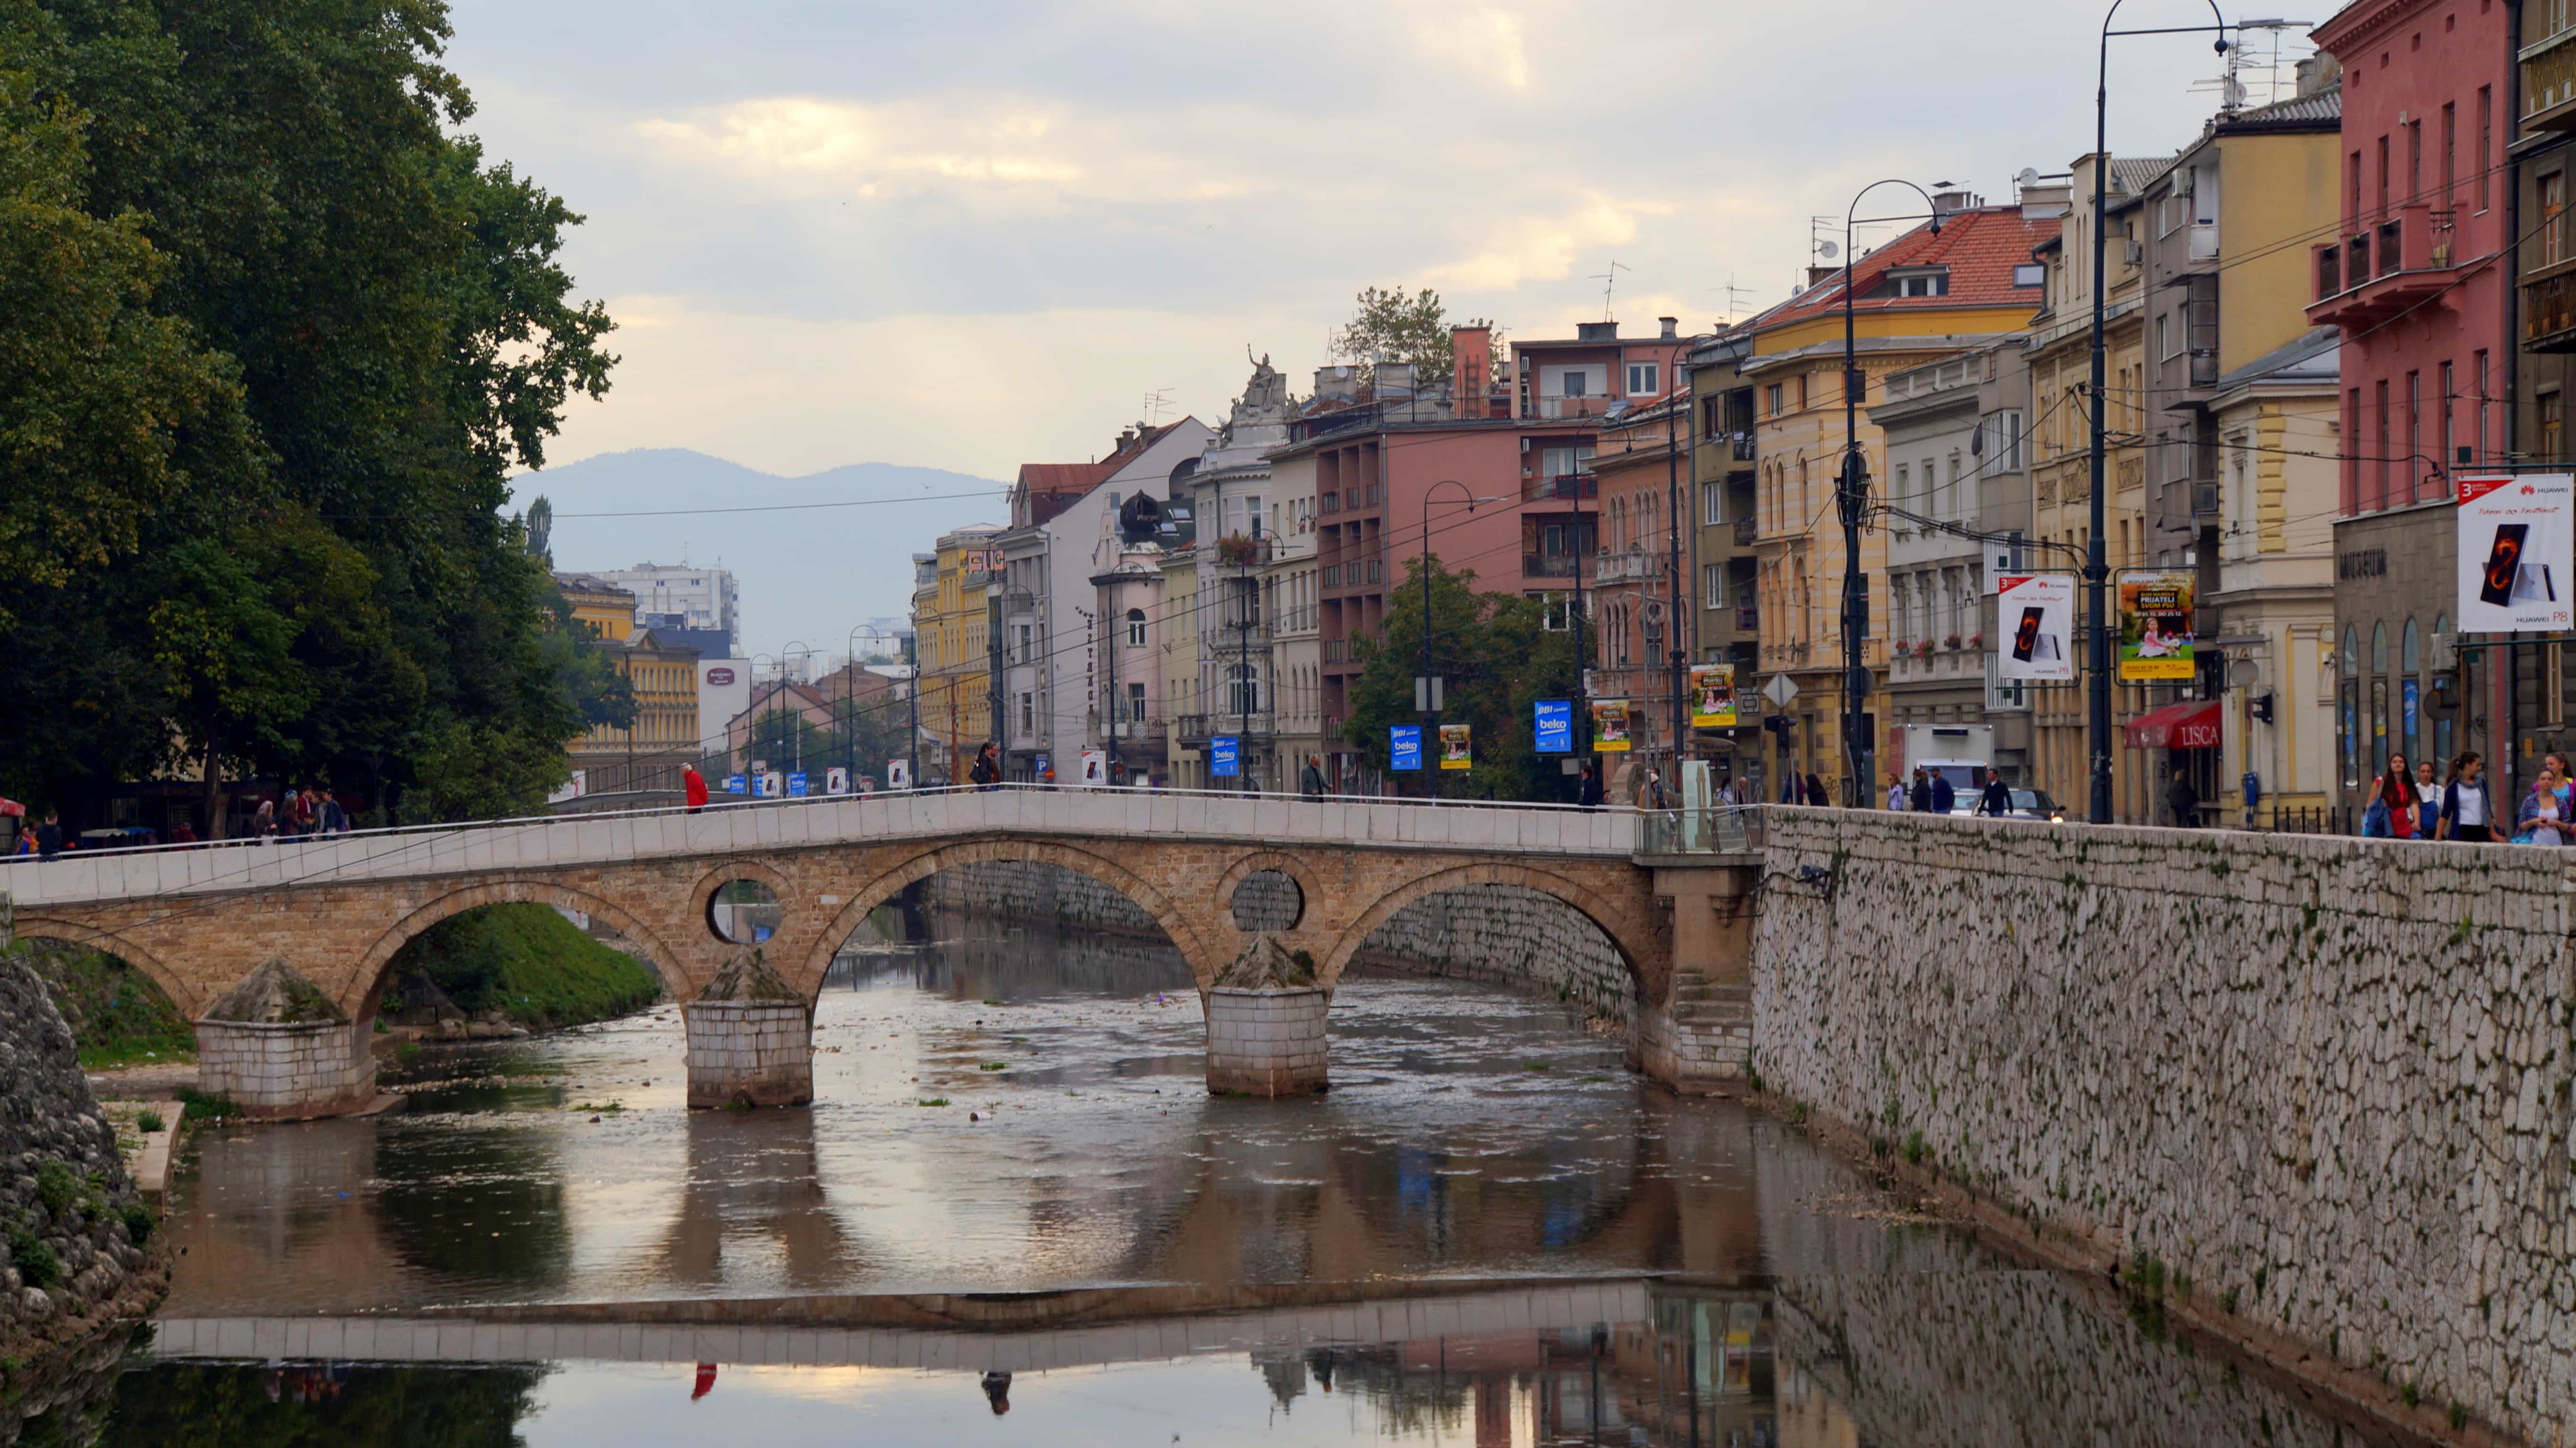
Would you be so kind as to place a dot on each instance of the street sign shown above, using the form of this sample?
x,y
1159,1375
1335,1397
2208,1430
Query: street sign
x,y
1780,690
1427,691
796,785
1555,726
1224,755
736,784
1403,746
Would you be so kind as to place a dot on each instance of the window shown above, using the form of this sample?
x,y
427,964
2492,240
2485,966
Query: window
x,y
2001,443
2414,428
1243,689
1024,643
1771,399
1135,628
1028,714
1136,703
1712,582
2551,236
1644,378
2443,403
1569,383
2479,370
2379,395
2553,427
2029,274
1934,283
1566,462
2164,336
2415,160
1904,489
1712,504
2382,207
2486,146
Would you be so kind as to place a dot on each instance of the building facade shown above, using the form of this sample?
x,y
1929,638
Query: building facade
x,y
1723,463
672,596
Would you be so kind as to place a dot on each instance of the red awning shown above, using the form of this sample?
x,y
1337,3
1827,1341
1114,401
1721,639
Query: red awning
x,y
2192,724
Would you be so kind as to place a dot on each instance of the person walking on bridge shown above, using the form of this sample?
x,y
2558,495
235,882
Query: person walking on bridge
x,y
693,787
987,771
2468,810
1310,781
1996,802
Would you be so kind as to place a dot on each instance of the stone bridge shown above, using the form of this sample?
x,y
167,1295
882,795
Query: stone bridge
x,y
338,911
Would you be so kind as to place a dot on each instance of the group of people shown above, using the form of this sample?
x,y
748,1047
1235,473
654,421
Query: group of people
x,y
300,814
2409,804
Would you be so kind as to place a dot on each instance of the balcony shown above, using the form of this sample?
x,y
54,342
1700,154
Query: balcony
x,y
1556,408
2378,272
1746,530
1633,566
1549,565
2549,81
2549,311
1748,619
1564,485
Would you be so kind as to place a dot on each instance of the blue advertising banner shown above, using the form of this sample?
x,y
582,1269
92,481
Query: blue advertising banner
x,y
1404,746
2411,701
736,784
1222,756
796,785
1555,726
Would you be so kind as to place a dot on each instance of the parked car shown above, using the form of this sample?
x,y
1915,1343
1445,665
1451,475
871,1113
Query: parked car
x,y
2027,804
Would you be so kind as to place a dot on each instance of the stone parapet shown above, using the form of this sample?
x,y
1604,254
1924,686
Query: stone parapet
x,y
287,1071
2319,1084
750,1053
1265,1042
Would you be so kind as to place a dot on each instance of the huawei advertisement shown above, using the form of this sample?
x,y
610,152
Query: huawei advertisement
x,y
2515,549
2035,614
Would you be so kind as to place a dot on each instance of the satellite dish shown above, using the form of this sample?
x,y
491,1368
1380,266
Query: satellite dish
x,y
1827,250
2026,176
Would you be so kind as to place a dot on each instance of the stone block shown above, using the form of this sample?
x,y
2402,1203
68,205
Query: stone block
x,y
755,1052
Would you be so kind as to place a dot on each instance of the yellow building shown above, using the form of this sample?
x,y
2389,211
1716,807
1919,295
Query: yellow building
x,y
647,754
1920,297
952,623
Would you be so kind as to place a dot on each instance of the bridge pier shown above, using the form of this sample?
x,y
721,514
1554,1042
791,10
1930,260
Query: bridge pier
x,y
749,1053
1267,1042
1699,1038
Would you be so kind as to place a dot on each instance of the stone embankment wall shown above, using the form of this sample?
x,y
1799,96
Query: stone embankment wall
x,y
2320,1084
1489,933
69,1215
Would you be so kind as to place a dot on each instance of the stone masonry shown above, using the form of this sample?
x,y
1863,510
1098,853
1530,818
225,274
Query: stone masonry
x,y
2326,1080
749,1053
285,1071
1265,1042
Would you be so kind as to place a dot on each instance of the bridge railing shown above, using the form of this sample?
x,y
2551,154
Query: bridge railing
x,y
1731,829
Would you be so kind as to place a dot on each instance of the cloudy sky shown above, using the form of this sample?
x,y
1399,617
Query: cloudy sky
x,y
971,235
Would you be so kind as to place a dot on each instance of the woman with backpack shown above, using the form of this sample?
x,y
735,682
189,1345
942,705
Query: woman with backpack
x,y
2468,811
2394,812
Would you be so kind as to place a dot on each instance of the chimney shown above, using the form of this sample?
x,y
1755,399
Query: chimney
x,y
1816,274
1340,383
1672,327
1394,379
2318,71
1947,200
1126,439
1471,360
1596,331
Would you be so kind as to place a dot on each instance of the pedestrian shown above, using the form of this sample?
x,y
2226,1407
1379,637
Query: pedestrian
x,y
1310,780
1996,802
2428,802
2393,812
1898,796
1816,791
2184,801
49,836
1588,793
1727,793
2548,812
1945,796
263,821
303,812
693,787
1920,797
2467,810
335,820
987,770
1651,794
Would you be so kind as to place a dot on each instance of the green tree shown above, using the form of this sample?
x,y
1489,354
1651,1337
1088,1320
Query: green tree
x,y
1390,326
1498,658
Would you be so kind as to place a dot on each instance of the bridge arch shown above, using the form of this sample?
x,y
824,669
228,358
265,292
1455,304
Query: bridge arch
x,y
1634,939
367,982
1174,922
172,984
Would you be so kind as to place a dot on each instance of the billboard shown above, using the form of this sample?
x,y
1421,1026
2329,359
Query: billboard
x,y
1403,746
724,694
2035,614
1712,696
2155,624
1457,747
1609,726
1555,729
836,780
2515,550
1225,756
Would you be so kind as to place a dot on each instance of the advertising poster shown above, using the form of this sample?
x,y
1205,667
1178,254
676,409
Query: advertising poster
x,y
737,784
836,780
1609,726
2515,551
1457,749
1225,757
1403,746
1095,768
2035,618
1555,729
898,774
773,785
1712,696
2155,624
796,785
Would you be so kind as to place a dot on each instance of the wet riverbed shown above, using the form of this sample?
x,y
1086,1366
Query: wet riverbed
x,y
1013,1213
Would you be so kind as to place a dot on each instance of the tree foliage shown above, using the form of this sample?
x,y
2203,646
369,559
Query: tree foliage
x,y
1391,326
1498,659
272,336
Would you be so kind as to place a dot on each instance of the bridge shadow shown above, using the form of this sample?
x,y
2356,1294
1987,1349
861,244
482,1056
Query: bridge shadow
x,y
755,1189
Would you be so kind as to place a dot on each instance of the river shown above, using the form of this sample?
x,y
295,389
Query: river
x,y
1014,1215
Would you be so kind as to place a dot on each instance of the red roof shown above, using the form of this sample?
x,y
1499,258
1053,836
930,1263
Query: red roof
x,y
1980,248
1064,477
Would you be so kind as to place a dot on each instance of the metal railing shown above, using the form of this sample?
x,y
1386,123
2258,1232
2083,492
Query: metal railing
x,y
1718,829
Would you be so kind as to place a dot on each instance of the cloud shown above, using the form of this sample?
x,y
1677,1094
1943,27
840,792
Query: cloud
x,y
1482,40
1544,248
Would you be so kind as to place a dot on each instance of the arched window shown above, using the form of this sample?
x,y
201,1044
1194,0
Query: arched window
x,y
2379,648
2410,649
2351,651
2442,737
1136,628
2410,692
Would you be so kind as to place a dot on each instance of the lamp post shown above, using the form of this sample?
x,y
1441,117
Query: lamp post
x,y
2097,634
1430,696
1851,496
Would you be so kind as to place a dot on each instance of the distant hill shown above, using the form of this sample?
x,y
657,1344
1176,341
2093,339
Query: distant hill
x,y
808,573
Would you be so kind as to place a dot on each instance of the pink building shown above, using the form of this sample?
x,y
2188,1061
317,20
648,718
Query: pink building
x,y
2417,279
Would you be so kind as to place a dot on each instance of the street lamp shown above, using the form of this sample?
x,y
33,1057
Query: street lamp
x,y
1851,495
1430,700
2097,650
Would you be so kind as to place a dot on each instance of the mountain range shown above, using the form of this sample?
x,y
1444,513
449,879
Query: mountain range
x,y
805,573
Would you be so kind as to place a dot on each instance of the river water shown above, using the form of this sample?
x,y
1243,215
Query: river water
x,y
1014,1215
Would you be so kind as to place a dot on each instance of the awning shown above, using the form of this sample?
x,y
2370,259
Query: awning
x,y
2192,724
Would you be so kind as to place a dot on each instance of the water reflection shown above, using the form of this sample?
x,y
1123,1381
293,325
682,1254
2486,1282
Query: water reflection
x,y
754,1189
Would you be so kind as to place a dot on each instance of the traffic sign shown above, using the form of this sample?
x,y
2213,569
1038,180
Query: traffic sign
x,y
1780,690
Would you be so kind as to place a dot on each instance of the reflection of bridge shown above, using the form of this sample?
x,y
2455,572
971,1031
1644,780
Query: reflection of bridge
x,y
338,911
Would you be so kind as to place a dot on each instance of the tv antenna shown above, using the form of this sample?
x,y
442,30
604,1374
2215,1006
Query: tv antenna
x,y
1737,298
2233,93
1155,402
1609,280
